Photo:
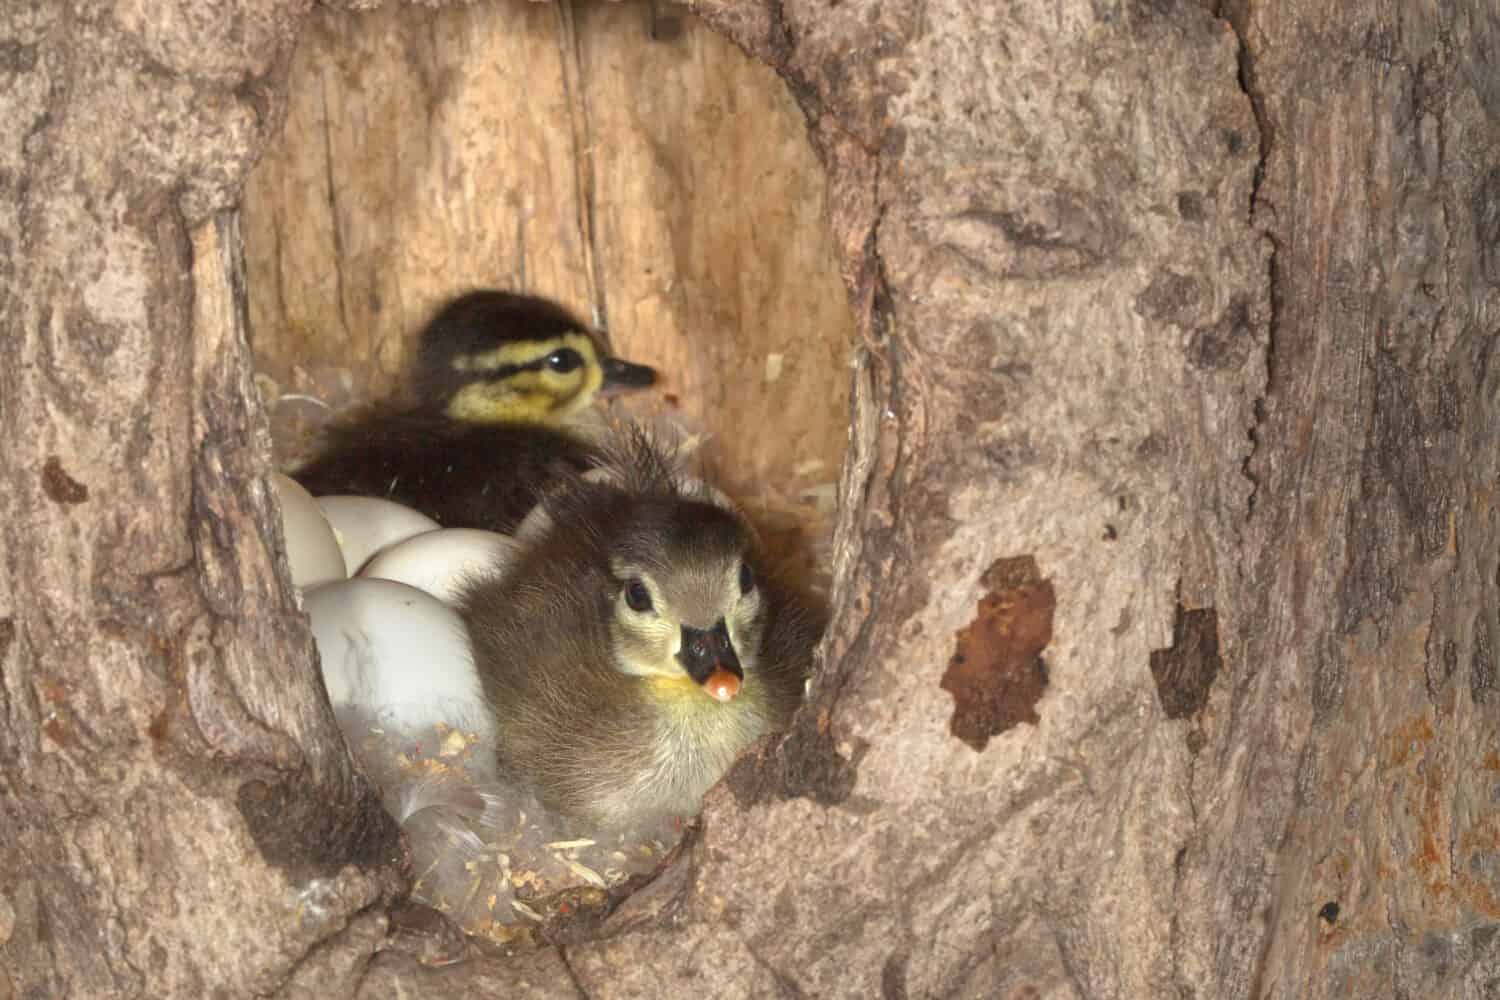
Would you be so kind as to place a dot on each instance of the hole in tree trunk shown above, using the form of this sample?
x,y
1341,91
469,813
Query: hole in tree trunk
x,y
622,159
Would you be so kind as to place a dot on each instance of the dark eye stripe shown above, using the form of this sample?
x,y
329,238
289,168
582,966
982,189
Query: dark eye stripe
x,y
504,371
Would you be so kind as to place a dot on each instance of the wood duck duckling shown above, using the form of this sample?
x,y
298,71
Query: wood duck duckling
x,y
636,649
499,383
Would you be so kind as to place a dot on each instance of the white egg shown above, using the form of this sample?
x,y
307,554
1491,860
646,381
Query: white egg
x,y
312,549
393,651
440,561
365,525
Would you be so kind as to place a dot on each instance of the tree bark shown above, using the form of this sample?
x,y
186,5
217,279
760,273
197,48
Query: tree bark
x,y
179,815
1165,579
1358,772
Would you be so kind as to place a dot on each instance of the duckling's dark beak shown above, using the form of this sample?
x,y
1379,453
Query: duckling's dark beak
x,y
709,658
620,375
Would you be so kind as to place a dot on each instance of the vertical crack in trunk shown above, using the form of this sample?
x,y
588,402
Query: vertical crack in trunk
x,y
573,978
1236,13
583,157
333,209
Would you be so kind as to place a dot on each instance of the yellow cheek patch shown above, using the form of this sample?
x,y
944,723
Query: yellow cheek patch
x,y
676,689
529,392
486,403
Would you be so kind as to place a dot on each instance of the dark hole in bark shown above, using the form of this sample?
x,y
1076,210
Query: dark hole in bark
x,y
1185,671
299,835
59,486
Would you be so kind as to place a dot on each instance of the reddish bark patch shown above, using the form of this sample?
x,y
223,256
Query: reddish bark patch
x,y
59,486
996,675
1185,671
59,733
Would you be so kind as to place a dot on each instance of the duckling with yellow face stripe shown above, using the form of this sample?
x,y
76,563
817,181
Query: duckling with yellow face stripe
x,y
499,357
499,382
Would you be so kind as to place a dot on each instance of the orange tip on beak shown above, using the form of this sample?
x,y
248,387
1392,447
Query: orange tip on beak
x,y
722,685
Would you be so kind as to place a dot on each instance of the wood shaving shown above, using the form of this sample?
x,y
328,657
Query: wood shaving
x,y
774,364
525,910
470,897
808,468
586,873
523,879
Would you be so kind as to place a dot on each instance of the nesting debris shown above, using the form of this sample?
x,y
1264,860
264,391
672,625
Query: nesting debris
x,y
774,364
298,411
484,852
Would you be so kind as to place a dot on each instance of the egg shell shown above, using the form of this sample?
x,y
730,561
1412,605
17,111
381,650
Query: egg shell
x,y
393,651
366,525
312,549
439,562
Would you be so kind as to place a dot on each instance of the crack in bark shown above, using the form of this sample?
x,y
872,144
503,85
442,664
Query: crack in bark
x,y
574,89
333,209
573,977
781,43
785,984
1235,13
364,964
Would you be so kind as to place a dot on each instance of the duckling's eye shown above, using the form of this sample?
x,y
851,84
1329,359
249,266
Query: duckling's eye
x,y
747,579
637,597
564,360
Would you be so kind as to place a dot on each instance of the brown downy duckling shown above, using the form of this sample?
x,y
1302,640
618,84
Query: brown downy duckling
x,y
499,380
637,648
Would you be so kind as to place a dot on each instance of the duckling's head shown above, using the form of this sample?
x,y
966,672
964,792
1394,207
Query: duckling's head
x,y
492,356
688,611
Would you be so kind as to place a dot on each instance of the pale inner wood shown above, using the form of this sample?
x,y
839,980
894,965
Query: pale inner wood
x,y
628,162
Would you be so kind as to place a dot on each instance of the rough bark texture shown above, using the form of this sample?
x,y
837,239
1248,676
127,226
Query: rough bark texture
x,y
1357,761
1175,347
179,815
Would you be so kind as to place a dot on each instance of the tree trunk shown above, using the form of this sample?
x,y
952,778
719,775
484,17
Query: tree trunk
x,y
179,815
1165,576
